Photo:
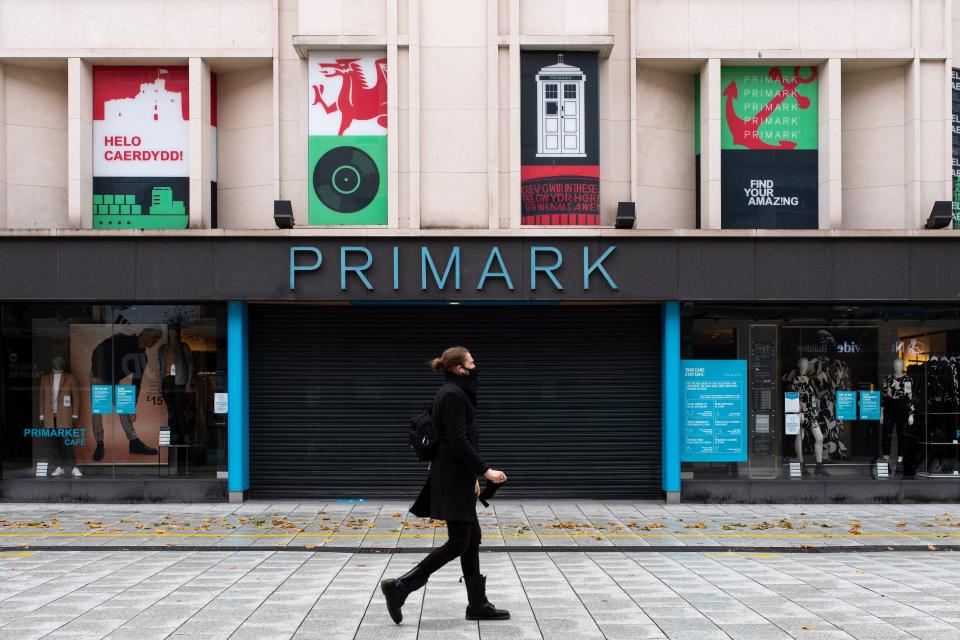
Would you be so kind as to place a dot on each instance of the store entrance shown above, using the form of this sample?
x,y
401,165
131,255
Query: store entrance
x,y
569,397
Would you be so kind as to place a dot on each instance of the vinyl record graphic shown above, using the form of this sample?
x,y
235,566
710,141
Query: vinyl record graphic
x,y
346,179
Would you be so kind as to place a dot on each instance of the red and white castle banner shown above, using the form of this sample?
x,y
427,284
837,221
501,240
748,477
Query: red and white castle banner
x,y
141,150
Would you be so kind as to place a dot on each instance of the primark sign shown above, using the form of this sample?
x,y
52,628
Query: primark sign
x,y
535,268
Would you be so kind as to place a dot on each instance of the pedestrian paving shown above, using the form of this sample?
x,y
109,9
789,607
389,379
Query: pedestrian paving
x,y
507,525
575,594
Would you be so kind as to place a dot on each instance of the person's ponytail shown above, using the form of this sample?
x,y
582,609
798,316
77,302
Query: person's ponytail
x,y
450,359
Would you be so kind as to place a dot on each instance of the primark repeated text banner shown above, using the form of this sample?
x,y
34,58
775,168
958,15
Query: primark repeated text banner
x,y
769,148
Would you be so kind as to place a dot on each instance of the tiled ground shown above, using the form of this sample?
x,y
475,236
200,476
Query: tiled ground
x,y
263,594
368,525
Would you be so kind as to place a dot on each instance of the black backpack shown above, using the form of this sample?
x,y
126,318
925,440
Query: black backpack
x,y
423,436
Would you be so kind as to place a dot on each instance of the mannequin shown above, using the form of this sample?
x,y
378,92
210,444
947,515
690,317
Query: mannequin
x,y
58,401
896,412
176,381
804,387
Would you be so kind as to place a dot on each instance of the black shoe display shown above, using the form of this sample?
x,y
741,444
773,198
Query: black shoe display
x,y
804,471
396,590
479,608
137,446
98,452
820,470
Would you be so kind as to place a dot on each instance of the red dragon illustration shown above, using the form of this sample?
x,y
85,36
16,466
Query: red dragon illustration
x,y
358,100
745,131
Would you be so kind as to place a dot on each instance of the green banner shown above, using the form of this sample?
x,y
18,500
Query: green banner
x,y
348,177
769,108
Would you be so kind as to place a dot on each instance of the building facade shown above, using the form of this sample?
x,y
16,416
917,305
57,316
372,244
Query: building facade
x,y
686,241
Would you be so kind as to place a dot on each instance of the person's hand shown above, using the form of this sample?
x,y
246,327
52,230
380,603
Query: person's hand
x,y
910,421
495,476
476,489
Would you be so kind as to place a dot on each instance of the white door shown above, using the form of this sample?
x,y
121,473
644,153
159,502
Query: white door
x,y
551,119
570,118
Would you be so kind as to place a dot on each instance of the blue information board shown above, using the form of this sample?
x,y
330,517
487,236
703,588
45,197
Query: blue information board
x,y
869,405
101,396
846,405
126,395
714,410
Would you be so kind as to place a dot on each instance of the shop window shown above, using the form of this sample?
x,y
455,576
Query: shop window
x,y
111,391
836,393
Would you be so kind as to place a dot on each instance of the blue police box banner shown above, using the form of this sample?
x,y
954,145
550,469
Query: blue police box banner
x,y
101,396
846,405
714,410
869,405
126,398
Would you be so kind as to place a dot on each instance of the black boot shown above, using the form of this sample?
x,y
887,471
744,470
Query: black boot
x,y
397,590
479,608
820,470
98,452
137,446
803,470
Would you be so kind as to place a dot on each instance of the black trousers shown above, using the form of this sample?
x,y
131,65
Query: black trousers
x,y
463,541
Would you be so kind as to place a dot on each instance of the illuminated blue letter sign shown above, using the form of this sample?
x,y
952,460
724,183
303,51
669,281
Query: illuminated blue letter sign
x,y
452,263
534,267
502,273
293,263
357,269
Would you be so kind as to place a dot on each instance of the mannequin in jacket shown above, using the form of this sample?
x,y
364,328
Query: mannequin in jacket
x,y
896,412
176,381
802,384
58,403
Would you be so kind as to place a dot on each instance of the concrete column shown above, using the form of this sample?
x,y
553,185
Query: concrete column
x,y
79,143
200,141
493,116
671,401
710,123
830,136
514,53
3,145
275,120
238,407
393,114
413,111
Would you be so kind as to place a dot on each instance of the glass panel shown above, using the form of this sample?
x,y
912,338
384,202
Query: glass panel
x,y
569,91
550,91
552,109
139,381
857,392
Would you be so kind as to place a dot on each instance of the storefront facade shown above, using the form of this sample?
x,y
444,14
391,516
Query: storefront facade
x,y
687,242
596,372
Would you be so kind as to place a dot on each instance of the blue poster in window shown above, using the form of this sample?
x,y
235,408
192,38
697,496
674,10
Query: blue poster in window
x,y
126,398
101,398
869,405
714,410
846,405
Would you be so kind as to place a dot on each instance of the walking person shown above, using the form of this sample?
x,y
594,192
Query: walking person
x,y
451,490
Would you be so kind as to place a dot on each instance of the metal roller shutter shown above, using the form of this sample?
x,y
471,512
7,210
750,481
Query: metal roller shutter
x,y
569,397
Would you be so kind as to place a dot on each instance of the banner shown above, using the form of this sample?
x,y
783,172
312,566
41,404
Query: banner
x,y
559,138
769,142
347,146
109,399
955,92
714,410
141,161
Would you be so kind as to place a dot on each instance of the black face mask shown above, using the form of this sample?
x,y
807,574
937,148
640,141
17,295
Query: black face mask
x,y
471,374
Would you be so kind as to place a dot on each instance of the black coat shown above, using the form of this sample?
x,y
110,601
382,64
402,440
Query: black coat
x,y
448,493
